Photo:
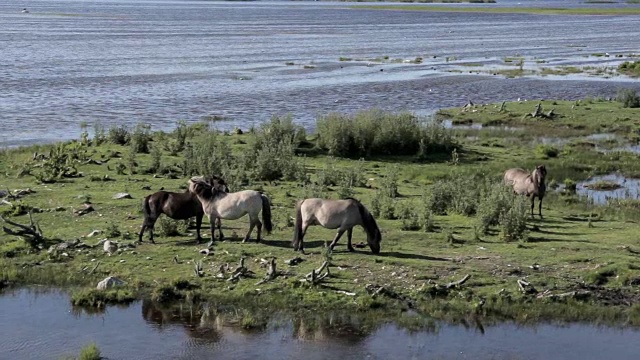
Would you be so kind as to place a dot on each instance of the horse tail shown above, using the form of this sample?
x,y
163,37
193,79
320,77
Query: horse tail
x,y
146,211
266,214
297,228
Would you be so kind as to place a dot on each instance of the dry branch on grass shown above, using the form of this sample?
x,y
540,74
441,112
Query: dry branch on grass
x,y
271,272
32,233
316,275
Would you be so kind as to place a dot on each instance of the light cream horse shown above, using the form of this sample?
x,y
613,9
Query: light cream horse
x,y
335,214
218,204
531,184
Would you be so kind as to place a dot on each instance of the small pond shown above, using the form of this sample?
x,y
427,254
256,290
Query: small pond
x,y
629,188
43,325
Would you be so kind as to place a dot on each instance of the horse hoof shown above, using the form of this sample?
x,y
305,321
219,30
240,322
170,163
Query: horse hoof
x,y
351,249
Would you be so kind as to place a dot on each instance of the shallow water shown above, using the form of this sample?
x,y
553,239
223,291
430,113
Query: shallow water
x,y
629,189
119,61
43,325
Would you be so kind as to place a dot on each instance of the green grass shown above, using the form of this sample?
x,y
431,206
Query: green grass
x,y
508,10
568,247
90,352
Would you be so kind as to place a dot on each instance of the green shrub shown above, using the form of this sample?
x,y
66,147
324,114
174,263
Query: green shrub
x,y
171,227
570,186
439,197
427,220
99,134
156,160
119,135
513,223
629,98
631,68
409,216
140,138
382,206
494,202
375,132
547,151
90,352
112,231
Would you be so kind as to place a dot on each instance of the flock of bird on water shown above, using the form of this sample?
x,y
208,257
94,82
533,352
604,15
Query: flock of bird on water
x,y
210,196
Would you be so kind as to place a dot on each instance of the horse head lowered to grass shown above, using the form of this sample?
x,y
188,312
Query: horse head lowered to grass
x,y
335,214
217,204
531,184
178,206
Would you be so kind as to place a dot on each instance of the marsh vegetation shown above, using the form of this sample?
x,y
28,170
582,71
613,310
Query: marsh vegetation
x,y
436,194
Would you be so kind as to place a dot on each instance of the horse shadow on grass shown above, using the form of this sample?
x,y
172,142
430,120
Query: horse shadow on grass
x,y
410,256
533,239
287,243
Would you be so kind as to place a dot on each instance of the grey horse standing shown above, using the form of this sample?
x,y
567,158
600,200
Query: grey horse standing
x,y
531,184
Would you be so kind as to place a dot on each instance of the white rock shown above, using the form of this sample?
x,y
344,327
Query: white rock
x,y
122,196
109,282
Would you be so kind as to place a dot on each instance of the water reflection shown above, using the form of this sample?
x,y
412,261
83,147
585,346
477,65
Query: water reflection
x,y
41,325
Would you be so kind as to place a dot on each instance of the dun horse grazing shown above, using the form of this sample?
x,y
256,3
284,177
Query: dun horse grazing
x,y
231,206
530,184
335,214
178,206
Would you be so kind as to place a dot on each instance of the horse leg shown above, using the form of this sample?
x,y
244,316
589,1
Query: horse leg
x,y
349,233
540,207
252,224
198,225
212,225
144,227
219,222
300,246
335,240
259,226
532,205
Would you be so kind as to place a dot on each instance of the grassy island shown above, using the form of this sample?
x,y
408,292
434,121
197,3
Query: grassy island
x,y
456,242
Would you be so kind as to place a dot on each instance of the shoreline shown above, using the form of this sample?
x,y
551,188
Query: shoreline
x,y
415,267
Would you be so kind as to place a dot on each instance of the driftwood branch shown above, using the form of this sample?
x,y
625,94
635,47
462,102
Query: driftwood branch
x,y
526,287
31,233
240,271
458,283
316,275
271,272
577,294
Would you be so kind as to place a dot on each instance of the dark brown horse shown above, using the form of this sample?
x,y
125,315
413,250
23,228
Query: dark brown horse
x,y
178,206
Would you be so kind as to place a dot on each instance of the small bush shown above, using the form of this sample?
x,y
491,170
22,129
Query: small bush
x,y
119,135
112,231
570,186
99,134
494,202
427,220
90,352
156,160
629,98
439,197
383,206
513,223
547,151
170,227
410,218
140,138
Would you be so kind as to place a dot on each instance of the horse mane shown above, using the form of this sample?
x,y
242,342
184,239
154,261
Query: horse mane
x,y
368,222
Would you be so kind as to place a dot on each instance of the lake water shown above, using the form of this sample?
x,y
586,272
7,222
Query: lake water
x,y
43,325
123,62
